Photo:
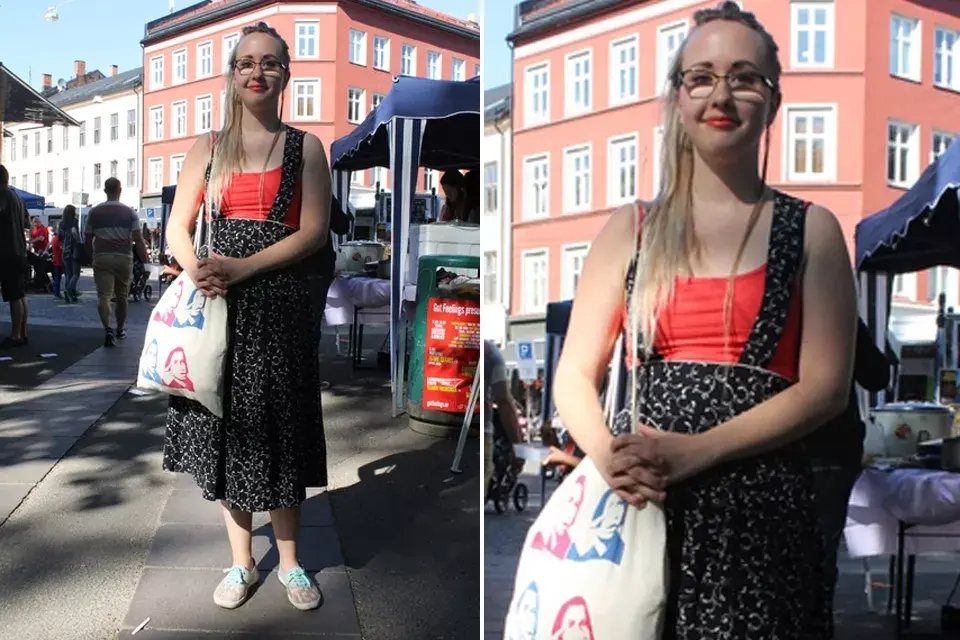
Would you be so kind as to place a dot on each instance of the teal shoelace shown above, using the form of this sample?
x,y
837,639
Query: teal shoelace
x,y
235,575
297,578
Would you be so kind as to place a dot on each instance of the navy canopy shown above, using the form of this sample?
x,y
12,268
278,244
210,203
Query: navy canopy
x,y
30,200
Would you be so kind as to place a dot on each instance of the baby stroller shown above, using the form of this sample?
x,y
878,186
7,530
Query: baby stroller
x,y
140,286
42,268
504,482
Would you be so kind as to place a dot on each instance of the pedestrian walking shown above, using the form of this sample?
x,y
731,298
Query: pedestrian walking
x,y
69,234
111,234
267,189
14,269
56,256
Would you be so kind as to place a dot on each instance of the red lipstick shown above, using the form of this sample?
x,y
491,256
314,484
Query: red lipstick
x,y
721,123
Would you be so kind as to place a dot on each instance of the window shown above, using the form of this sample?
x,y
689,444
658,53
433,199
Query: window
x,y
36,144
358,47
408,60
50,139
131,123
49,182
13,181
430,180
156,174
377,99
156,73
83,137
578,83
537,98
459,70
623,70
179,112
113,168
131,172
355,110
943,280
491,178
205,59
902,155
476,70
811,145
96,130
66,139
535,264
176,166
811,34
572,267
24,182
36,182
946,56
490,293
669,39
156,123
12,151
657,153
905,47
576,179
97,177
114,127
356,177
536,186
378,177
204,115
308,34
434,64
179,66
622,170
381,53
306,100
229,44
66,180
26,143
939,144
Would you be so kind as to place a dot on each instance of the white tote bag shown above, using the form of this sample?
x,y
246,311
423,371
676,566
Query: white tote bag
x,y
184,353
592,566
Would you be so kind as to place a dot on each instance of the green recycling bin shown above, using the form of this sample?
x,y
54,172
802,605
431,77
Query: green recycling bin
x,y
446,346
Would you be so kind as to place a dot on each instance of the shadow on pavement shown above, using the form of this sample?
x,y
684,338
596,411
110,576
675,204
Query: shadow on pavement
x,y
26,367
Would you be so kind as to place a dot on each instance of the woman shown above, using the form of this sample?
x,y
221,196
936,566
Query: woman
x,y
455,195
267,189
729,382
69,234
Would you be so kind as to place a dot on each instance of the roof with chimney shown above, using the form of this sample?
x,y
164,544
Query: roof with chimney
x,y
212,11
106,86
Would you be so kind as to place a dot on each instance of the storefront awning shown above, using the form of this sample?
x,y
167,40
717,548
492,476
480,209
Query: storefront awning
x,y
19,102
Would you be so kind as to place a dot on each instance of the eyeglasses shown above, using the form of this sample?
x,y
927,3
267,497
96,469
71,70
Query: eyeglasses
x,y
745,84
269,67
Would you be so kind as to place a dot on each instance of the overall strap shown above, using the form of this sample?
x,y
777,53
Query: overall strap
x,y
289,174
784,258
639,356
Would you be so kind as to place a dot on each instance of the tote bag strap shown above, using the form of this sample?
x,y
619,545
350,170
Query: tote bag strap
x,y
202,232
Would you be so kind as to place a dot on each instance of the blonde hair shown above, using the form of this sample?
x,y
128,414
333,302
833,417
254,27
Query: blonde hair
x,y
228,155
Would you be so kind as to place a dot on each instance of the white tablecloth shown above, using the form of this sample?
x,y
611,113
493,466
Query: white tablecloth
x,y
881,498
371,295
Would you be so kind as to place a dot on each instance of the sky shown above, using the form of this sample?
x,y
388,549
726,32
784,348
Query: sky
x,y
101,33
496,63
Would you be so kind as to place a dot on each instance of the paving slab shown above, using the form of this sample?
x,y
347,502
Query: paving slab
x,y
52,421
29,459
193,546
182,600
187,506
11,495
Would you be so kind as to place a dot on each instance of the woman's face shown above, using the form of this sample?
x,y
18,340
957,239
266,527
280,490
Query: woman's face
x,y
612,516
733,116
259,74
178,365
575,625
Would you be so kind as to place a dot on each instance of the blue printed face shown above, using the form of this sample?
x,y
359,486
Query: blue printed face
x,y
153,353
195,301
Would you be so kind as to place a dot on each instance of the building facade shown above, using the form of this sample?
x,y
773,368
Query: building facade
x,y
495,226
62,162
344,56
871,89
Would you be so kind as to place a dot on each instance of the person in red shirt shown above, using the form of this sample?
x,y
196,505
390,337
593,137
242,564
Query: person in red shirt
x,y
39,236
57,251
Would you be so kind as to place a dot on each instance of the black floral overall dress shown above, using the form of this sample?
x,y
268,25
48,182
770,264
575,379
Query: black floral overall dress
x,y
743,539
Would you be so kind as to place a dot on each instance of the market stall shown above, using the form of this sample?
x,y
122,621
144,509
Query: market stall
x,y
30,200
420,123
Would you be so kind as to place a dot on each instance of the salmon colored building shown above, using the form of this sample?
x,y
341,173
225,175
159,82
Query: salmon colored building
x,y
871,93
344,56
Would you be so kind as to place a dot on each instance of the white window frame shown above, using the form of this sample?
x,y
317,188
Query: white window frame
x,y
915,68
568,254
461,65
913,154
616,96
358,57
156,73
905,286
361,102
530,201
307,38
528,301
64,179
205,47
198,124
614,169
174,171
375,100
294,98
152,163
947,58
937,139
404,48
570,85
434,72
381,49
491,271
173,63
532,117
155,122
831,146
131,172
228,45
175,130
657,165
491,191
830,34
664,58
570,178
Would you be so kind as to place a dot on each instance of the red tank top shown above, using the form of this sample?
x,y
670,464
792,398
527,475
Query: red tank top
x,y
242,197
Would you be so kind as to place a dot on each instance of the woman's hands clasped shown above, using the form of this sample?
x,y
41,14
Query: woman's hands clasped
x,y
217,273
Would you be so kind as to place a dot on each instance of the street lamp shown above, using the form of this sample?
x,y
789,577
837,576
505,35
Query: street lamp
x,y
53,13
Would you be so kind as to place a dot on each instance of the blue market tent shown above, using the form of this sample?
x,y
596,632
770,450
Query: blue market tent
x,y
420,123
32,201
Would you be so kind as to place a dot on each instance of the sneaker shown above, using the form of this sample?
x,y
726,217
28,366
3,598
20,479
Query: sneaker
x,y
109,340
302,592
121,334
12,343
234,589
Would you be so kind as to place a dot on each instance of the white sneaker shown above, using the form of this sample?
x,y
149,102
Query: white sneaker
x,y
302,592
235,587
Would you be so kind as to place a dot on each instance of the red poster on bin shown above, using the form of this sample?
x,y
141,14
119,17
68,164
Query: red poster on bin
x,y
452,353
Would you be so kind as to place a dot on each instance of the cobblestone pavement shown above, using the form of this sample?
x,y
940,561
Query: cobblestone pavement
x,y
504,536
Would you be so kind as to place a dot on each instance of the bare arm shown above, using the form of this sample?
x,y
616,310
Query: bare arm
x,y
826,354
186,204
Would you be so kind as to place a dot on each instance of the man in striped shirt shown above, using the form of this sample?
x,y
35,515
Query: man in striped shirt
x,y
111,233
